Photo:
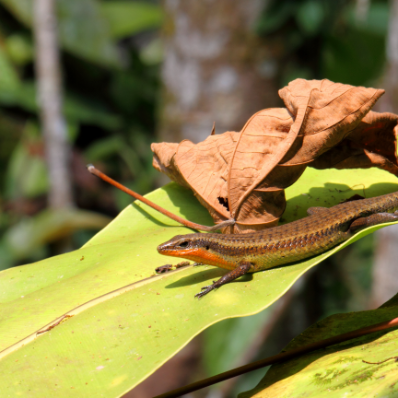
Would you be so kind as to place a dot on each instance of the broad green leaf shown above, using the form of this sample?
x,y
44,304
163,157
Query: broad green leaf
x,y
82,28
9,79
126,321
339,371
127,18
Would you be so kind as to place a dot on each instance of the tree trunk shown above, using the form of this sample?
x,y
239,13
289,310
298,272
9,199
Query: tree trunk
x,y
50,104
216,69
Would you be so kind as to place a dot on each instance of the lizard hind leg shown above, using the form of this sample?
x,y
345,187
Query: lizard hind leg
x,y
242,269
374,219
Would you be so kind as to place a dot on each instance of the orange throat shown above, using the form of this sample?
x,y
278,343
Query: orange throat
x,y
201,256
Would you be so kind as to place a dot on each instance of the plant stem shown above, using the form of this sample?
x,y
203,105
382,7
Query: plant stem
x,y
167,213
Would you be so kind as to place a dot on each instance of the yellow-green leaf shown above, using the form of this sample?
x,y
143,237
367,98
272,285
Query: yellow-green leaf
x,y
125,321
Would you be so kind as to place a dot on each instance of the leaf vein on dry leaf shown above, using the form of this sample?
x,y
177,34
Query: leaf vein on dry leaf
x,y
276,135
345,117
263,153
334,99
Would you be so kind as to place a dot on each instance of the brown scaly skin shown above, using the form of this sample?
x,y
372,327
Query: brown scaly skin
x,y
312,235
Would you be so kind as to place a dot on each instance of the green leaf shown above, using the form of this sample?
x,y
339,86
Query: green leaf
x,y
85,32
21,9
127,322
9,79
310,16
48,226
231,343
152,54
82,28
19,48
128,18
339,370
103,148
26,174
227,341
77,109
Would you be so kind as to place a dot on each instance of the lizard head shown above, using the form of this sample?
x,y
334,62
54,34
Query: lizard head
x,y
184,246
195,247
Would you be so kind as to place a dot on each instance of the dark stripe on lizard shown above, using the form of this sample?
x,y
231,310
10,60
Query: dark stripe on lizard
x,y
284,244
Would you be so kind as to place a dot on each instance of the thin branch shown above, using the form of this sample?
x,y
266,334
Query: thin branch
x,y
167,213
50,104
279,358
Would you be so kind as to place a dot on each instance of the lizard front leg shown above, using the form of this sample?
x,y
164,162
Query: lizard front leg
x,y
170,267
242,269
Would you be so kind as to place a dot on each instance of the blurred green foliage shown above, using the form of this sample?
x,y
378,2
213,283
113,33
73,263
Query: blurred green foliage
x,y
326,39
118,15
110,56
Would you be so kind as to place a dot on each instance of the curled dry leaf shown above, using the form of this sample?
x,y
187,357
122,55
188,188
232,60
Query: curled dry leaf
x,y
243,175
203,167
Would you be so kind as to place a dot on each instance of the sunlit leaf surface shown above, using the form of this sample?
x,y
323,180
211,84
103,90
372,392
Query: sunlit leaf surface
x,y
126,322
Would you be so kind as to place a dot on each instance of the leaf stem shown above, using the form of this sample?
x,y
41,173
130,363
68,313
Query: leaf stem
x,y
167,213
378,363
279,358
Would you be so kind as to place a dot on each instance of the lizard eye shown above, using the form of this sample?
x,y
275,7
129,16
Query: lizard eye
x,y
183,244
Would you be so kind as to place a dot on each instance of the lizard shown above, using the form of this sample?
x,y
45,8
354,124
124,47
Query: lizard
x,y
321,230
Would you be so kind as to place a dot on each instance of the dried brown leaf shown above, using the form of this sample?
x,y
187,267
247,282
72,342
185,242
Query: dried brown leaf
x,y
163,161
243,176
372,143
203,167
322,114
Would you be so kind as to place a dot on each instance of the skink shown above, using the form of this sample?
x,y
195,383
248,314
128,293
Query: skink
x,y
323,229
